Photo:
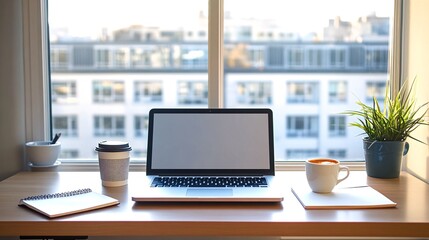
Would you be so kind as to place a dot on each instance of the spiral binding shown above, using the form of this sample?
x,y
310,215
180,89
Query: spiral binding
x,y
58,195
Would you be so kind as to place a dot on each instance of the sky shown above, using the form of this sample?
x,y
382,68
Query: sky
x,y
88,17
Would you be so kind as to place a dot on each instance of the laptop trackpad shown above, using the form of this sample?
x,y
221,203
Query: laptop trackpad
x,y
209,192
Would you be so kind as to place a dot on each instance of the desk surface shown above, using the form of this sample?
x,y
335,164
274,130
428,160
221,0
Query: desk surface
x,y
410,217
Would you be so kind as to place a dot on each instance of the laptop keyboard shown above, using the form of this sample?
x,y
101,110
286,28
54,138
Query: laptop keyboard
x,y
209,182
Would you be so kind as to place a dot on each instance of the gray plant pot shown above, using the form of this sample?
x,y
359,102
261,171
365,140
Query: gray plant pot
x,y
384,158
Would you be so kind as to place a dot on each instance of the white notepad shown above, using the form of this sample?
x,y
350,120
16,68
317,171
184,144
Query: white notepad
x,y
342,198
65,203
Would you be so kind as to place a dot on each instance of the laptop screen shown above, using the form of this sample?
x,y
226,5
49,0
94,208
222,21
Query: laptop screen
x,y
210,141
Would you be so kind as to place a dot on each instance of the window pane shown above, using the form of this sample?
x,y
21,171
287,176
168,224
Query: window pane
x,y
308,60
306,64
112,61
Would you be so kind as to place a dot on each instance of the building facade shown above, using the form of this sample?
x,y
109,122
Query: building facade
x,y
104,90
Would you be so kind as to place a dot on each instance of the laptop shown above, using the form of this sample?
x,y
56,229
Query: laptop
x,y
209,155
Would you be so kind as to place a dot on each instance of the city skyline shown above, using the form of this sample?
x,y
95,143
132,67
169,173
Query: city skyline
x,y
303,18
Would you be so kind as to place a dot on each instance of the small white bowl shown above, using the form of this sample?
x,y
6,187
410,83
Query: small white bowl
x,y
42,153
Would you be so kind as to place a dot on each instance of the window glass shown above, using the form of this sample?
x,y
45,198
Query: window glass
x,y
148,91
308,60
106,91
112,61
338,91
66,125
253,92
64,91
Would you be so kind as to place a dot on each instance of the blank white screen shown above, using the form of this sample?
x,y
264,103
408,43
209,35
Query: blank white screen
x,y
210,141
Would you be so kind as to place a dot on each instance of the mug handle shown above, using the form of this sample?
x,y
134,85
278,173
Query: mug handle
x,y
347,173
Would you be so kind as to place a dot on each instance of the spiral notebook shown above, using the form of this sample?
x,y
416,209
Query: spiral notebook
x,y
66,203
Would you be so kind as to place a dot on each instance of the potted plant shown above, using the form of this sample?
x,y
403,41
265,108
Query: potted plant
x,y
387,128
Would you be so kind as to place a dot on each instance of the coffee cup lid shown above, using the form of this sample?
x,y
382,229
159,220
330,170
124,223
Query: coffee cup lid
x,y
113,146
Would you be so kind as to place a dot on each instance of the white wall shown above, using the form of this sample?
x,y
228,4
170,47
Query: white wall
x,y
416,63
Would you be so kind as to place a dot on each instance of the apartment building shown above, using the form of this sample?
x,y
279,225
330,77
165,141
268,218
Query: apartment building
x,y
104,90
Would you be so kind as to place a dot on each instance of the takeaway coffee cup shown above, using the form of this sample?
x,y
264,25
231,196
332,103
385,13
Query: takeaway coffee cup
x,y
114,160
322,174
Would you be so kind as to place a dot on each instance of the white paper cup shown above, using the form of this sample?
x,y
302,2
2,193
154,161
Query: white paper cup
x,y
42,153
114,160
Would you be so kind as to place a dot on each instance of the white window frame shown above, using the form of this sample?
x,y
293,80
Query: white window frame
x,y
36,72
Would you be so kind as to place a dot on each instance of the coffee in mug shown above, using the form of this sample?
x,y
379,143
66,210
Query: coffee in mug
x,y
114,160
322,174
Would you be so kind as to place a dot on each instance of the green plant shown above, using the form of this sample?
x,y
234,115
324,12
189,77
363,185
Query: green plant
x,y
395,120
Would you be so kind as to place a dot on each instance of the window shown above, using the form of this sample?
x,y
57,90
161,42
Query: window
x,y
105,91
141,126
83,57
256,55
69,153
103,58
109,126
64,92
338,91
194,56
66,125
298,154
238,56
375,89
193,93
337,126
337,58
377,57
315,57
295,57
115,57
60,57
356,57
139,153
140,56
316,62
302,126
121,57
250,93
337,153
304,63
275,56
302,92
148,91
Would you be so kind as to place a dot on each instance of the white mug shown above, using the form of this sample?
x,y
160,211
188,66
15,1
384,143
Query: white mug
x,y
322,174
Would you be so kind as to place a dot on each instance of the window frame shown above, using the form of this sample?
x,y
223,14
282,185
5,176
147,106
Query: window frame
x,y
37,74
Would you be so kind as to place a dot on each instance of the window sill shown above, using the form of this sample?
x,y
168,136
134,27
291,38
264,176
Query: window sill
x,y
140,166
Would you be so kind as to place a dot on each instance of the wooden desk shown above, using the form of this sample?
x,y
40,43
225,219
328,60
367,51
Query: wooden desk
x,y
410,217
